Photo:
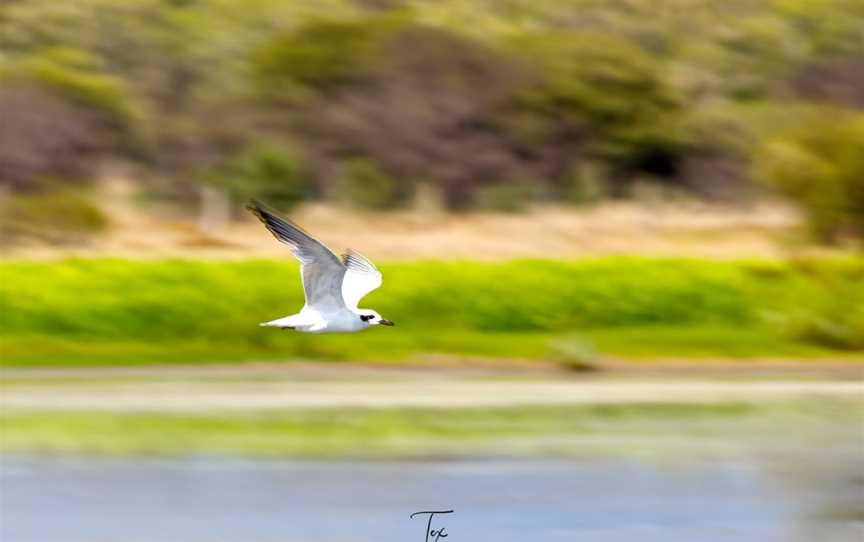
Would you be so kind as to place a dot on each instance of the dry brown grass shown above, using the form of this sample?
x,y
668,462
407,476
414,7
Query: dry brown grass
x,y
765,230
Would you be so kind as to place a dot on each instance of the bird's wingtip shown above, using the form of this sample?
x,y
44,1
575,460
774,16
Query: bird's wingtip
x,y
258,209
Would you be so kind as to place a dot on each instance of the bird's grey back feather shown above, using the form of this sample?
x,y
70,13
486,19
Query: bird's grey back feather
x,y
321,270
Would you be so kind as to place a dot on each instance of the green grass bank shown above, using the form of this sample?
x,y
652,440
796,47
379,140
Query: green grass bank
x,y
105,311
625,430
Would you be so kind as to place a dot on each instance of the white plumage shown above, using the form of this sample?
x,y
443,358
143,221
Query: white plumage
x,y
333,286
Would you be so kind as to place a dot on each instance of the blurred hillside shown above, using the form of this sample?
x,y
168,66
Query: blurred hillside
x,y
388,104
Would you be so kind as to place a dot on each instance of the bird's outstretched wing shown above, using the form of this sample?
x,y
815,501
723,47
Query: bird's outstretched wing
x,y
361,277
321,270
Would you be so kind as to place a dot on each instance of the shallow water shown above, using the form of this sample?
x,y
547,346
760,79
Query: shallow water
x,y
210,500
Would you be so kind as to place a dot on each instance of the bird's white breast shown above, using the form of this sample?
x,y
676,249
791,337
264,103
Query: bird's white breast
x,y
342,321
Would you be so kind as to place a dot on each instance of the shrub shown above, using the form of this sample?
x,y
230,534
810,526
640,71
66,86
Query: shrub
x,y
61,113
584,185
840,326
575,353
834,319
58,217
615,89
265,172
78,76
508,196
838,81
45,139
424,107
320,55
366,186
819,164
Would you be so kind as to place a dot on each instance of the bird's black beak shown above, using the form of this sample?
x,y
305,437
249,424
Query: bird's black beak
x,y
384,322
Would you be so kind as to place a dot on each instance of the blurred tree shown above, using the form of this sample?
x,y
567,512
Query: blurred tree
x,y
321,55
424,109
44,139
365,186
266,172
61,113
461,95
509,196
613,90
79,76
827,27
837,80
820,165
60,217
586,184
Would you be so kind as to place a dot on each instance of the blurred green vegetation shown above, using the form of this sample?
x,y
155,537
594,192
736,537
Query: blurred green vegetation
x,y
79,76
365,186
264,171
465,96
57,217
622,430
80,312
820,164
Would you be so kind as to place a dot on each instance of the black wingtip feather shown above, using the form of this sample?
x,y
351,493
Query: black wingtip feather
x,y
265,214
256,207
283,229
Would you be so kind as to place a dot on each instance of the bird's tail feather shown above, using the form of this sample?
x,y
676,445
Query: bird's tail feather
x,y
288,321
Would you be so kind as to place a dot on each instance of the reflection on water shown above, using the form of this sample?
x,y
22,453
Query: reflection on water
x,y
502,500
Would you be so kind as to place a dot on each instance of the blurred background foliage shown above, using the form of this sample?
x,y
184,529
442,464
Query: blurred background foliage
x,y
485,104
820,163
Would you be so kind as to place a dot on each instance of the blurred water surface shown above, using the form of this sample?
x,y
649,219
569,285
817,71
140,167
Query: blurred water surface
x,y
72,500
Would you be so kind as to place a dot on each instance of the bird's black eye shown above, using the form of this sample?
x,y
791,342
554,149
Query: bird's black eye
x,y
365,317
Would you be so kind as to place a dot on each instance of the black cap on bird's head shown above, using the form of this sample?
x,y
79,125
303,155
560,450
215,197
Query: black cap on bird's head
x,y
372,318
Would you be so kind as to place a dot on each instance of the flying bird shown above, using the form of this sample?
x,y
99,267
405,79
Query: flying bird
x,y
333,286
